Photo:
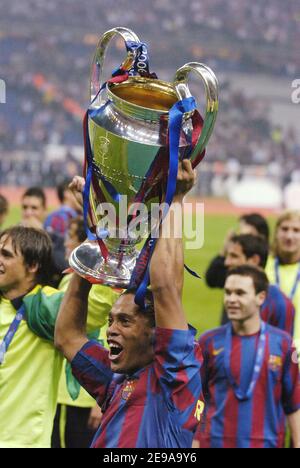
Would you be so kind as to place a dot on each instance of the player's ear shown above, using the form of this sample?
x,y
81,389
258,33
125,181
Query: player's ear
x,y
254,260
261,297
33,268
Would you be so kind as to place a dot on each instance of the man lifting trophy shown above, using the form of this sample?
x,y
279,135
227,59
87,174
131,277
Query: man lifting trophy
x,y
137,129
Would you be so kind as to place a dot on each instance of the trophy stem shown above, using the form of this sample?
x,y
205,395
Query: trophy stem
x,y
87,261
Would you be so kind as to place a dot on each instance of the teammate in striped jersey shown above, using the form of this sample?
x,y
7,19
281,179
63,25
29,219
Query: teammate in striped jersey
x,y
278,309
250,373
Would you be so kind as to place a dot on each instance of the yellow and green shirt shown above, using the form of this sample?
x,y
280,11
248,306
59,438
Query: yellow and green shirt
x,y
100,302
30,372
288,275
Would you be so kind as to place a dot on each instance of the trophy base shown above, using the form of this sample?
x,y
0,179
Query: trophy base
x,y
88,262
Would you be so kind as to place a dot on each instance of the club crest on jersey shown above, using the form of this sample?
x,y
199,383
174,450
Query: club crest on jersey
x,y
216,352
275,363
129,388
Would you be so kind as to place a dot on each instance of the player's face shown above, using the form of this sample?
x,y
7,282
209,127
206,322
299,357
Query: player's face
x,y
129,336
234,256
32,207
13,271
245,228
288,237
240,300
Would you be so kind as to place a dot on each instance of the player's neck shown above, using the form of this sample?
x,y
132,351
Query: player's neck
x,y
289,258
250,326
18,291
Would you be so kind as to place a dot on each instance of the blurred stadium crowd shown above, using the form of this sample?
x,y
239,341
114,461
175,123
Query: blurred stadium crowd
x,y
47,48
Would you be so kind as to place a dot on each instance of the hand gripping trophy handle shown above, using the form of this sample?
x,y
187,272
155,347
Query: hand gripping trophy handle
x,y
99,57
211,86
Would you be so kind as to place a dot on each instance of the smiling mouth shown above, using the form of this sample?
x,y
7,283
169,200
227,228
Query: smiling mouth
x,y
115,351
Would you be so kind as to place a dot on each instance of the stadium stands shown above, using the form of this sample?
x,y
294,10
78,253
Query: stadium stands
x,y
47,47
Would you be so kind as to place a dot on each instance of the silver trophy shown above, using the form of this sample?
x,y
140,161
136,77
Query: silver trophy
x,y
129,136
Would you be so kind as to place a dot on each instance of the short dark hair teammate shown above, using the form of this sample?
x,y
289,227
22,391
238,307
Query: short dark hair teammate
x,y
33,207
148,384
253,224
246,249
278,309
250,373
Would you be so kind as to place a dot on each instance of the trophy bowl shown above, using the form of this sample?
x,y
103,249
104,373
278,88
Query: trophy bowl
x,y
128,131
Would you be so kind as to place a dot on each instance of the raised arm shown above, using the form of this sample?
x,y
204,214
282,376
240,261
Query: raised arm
x,y
77,188
70,329
167,264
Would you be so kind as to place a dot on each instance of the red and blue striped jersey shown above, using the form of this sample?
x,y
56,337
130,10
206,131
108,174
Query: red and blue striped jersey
x,y
157,407
258,422
58,221
278,310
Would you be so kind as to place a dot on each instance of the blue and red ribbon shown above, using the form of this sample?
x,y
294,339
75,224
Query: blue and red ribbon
x,y
141,274
4,345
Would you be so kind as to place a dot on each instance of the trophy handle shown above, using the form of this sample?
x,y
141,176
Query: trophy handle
x,y
212,102
99,57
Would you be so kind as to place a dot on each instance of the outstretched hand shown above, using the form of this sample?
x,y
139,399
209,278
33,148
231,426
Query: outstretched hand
x,y
77,187
186,178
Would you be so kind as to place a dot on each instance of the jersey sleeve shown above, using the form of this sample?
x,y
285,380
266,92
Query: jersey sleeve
x,y
58,222
204,381
291,381
204,344
279,310
290,314
177,366
91,367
